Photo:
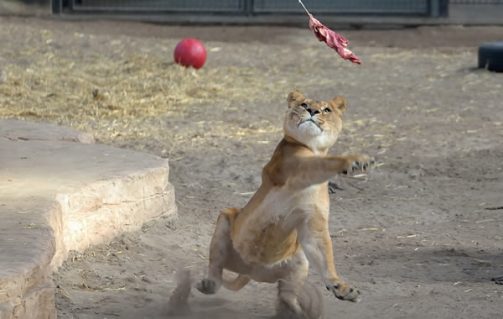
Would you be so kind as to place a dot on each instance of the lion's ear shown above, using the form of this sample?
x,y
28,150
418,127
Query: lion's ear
x,y
294,97
339,103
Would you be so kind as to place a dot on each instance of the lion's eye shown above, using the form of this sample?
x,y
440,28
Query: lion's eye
x,y
327,110
304,105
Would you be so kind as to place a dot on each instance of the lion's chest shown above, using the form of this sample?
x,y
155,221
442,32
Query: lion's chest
x,y
268,233
284,205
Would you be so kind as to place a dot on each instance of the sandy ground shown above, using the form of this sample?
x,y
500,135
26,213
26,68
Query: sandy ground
x,y
421,237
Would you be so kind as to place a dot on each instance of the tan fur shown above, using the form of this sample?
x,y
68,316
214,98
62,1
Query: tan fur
x,y
286,220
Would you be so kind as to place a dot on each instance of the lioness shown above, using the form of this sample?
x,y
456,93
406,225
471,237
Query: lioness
x,y
284,226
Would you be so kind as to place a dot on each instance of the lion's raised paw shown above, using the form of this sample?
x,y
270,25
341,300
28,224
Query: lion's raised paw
x,y
358,164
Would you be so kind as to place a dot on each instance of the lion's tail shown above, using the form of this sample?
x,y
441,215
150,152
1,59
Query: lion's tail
x,y
237,283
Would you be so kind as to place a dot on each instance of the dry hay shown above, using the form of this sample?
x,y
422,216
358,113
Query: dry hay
x,y
126,95
95,84
118,98
124,90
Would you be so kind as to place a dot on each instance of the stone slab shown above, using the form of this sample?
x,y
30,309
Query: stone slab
x,y
57,195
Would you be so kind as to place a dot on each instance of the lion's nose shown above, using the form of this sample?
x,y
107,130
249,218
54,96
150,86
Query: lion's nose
x,y
312,112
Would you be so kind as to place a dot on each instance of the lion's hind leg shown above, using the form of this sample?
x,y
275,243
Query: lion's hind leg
x,y
220,250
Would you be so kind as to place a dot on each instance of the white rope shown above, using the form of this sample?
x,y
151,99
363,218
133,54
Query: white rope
x,y
303,6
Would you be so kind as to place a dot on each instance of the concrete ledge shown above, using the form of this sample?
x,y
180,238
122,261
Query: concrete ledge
x,y
58,195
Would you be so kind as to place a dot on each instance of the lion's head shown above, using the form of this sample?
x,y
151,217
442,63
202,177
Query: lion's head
x,y
315,124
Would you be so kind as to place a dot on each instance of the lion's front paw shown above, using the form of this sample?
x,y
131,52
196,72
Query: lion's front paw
x,y
207,286
344,292
358,163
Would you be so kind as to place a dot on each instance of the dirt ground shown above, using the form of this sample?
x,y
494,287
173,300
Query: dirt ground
x,y
421,237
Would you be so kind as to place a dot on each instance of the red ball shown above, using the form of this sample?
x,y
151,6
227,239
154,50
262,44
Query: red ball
x,y
190,52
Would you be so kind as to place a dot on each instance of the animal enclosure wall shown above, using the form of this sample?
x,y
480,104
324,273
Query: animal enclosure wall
x,y
257,7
